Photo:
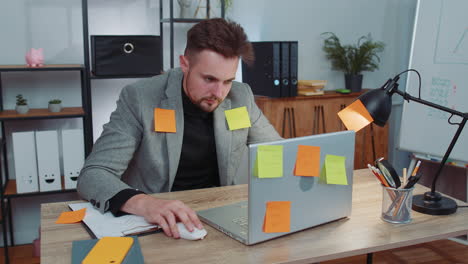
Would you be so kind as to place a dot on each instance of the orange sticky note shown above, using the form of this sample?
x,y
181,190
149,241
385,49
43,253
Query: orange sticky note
x,y
355,116
164,120
71,217
277,217
307,161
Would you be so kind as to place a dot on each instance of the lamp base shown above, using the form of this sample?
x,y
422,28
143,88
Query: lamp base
x,y
433,203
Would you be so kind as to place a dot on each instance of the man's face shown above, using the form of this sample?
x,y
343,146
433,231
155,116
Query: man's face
x,y
208,78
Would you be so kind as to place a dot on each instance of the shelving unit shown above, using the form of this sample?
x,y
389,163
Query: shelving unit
x,y
8,186
171,20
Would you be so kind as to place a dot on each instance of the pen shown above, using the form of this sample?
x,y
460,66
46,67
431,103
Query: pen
x,y
376,174
414,177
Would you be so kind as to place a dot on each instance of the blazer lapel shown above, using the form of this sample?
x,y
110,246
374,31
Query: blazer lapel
x,y
174,140
223,141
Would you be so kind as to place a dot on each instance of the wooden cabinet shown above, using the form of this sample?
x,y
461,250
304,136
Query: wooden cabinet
x,y
308,115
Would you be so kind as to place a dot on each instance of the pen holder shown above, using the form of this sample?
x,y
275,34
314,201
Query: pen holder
x,y
396,205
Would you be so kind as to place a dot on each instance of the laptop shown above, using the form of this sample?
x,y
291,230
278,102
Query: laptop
x,y
313,202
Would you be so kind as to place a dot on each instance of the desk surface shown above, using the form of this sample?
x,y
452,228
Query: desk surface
x,y
362,233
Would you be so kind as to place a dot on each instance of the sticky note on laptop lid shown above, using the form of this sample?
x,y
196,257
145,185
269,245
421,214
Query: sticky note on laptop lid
x,y
269,161
307,161
164,120
277,217
355,116
237,118
334,170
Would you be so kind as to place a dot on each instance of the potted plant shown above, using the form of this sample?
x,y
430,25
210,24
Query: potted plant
x,y
55,105
21,104
353,59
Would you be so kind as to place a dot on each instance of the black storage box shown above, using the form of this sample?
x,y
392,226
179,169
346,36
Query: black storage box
x,y
126,55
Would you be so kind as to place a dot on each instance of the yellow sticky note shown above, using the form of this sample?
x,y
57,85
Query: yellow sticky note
x,y
277,217
71,217
269,162
355,116
307,161
164,120
334,170
237,118
109,250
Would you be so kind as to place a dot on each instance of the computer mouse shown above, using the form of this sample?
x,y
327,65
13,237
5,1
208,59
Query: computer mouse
x,y
197,234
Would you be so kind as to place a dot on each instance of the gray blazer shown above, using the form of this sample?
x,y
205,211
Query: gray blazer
x,y
130,154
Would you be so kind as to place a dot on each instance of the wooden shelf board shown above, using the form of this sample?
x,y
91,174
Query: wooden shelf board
x,y
42,113
48,67
10,189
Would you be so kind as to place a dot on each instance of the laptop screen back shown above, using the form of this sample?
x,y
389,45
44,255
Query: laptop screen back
x,y
313,202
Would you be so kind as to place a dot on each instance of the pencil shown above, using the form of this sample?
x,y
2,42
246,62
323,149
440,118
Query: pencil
x,y
416,168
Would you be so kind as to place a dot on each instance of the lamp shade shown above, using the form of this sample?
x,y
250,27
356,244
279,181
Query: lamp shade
x,y
378,103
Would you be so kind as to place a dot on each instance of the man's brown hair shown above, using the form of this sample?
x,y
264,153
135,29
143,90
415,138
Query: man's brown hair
x,y
224,37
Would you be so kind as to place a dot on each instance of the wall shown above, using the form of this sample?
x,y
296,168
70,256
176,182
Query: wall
x,y
56,26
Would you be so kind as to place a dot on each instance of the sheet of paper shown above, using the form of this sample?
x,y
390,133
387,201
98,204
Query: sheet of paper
x,y
71,217
108,225
334,170
307,161
237,118
164,120
269,161
355,116
277,217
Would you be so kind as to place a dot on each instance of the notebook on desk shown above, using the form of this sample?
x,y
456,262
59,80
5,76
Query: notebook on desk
x,y
312,201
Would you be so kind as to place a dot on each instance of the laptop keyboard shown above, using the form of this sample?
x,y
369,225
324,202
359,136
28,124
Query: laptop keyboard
x,y
242,222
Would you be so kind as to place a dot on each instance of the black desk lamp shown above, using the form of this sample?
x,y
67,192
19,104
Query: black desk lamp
x,y
378,103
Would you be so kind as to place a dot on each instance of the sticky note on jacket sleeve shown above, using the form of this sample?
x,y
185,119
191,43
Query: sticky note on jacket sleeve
x,y
237,118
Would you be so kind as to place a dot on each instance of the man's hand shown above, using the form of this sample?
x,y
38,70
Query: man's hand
x,y
164,213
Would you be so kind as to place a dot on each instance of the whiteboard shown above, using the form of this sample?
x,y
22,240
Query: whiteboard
x,y
439,52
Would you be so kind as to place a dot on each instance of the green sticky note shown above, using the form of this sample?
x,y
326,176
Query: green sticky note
x,y
334,170
269,162
237,118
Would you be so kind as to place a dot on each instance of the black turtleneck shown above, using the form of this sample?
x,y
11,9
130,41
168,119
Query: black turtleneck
x,y
198,165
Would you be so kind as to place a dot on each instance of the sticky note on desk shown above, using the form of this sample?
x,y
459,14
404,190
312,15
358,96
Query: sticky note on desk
x,y
334,170
71,217
307,161
109,250
277,217
164,120
355,116
269,161
237,118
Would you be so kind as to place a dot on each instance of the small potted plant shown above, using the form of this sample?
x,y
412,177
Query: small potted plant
x,y
55,105
353,59
21,104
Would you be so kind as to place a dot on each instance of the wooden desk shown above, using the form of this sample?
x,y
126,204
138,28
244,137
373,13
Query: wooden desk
x,y
362,233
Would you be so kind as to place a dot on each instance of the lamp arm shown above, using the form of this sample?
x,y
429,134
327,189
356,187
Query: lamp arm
x,y
409,97
461,125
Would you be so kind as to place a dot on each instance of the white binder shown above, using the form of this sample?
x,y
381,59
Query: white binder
x,y
24,154
48,162
73,155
